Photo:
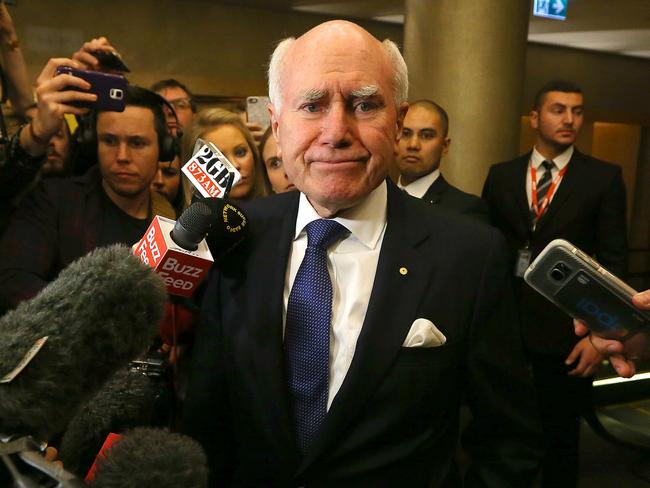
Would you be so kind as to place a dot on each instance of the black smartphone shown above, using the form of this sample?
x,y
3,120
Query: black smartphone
x,y
110,60
110,89
585,290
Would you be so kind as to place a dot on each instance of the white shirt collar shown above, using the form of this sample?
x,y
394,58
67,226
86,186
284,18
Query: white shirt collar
x,y
365,221
560,161
420,186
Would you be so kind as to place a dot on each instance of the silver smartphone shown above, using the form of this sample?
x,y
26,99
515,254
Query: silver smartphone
x,y
257,112
585,290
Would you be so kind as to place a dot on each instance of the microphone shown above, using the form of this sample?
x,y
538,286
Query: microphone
x,y
61,345
209,171
126,401
177,250
151,458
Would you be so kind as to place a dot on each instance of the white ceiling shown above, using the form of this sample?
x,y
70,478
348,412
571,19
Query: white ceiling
x,y
620,26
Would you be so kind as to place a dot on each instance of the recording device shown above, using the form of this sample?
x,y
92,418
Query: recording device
x,y
129,399
177,250
152,458
109,88
257,112
585,290
110,60
61,346
209,171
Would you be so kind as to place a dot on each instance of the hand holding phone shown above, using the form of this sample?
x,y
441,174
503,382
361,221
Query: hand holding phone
x,y
55,97
109,89
586,291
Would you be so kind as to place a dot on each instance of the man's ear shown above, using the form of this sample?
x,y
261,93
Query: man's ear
x,y
275,124
534,119
445,145
401,113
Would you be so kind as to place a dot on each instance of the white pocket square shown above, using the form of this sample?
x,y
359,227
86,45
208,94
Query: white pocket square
x,y
424,334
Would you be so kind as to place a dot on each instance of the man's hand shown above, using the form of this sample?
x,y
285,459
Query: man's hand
x,y
53,101
623,355
589,359
87,59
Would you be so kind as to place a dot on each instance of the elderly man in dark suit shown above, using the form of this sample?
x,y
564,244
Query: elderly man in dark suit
x,y
423,142
557,192
336,344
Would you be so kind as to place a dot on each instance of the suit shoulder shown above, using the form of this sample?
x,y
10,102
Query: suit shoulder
x,y
452,226
510,165
598,165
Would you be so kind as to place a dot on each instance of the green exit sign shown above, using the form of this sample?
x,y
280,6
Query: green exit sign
x,y
552,9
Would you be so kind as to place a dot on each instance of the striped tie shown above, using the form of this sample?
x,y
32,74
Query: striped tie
x,y
543,185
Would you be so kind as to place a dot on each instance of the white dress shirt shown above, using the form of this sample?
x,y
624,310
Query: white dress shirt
x,y
352,263
536,160
420,186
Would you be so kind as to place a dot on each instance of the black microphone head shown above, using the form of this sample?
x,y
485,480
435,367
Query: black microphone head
x,y
192,226
229,227
101,311
125,401
152,458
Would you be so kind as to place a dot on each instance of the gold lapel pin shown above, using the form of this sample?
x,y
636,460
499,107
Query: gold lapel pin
x,y
403,271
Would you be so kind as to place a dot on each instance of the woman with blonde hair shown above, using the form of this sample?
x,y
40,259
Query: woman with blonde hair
x,y
227,131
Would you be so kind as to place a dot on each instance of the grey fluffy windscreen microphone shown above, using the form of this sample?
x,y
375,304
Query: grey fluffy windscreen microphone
x,y
100,312
125,401
152,458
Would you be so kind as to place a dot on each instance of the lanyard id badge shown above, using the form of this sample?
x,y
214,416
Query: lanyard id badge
x,y
524,256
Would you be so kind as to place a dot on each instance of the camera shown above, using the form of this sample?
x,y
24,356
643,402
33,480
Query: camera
x,y
560,271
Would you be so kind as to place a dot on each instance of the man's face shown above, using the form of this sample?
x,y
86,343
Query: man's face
x,y
338,121
58,152
558,119
180,99
127,149
421,144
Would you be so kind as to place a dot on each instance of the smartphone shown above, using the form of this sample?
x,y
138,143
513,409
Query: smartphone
x,y
257,112
110,89
110,60
585,290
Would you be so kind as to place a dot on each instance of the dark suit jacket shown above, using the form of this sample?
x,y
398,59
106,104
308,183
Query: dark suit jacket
x,y
442,193
60,221
588,210
394,422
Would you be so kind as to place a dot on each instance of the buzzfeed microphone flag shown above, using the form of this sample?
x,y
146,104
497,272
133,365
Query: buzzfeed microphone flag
x,y
210,171
180,269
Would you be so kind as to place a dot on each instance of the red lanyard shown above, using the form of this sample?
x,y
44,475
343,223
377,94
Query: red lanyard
x,y
540,207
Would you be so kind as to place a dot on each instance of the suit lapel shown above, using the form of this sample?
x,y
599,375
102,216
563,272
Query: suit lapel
x,y
519,191
435,191
395,297
569,182
267,290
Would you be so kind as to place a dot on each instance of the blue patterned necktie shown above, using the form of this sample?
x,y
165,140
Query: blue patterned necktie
x,y
307,332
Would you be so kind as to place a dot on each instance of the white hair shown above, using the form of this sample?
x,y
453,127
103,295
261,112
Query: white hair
x,y
275,66
277,61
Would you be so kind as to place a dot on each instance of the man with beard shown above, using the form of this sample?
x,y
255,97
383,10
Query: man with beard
x,y
555,192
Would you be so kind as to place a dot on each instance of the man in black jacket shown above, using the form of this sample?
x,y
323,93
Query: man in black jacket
x,y
554,192
423,142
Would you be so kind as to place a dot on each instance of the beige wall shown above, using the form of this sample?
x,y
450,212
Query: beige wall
x,y
223,49
216,49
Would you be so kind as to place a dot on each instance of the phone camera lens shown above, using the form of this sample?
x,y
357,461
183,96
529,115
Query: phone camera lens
x,y
559,272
